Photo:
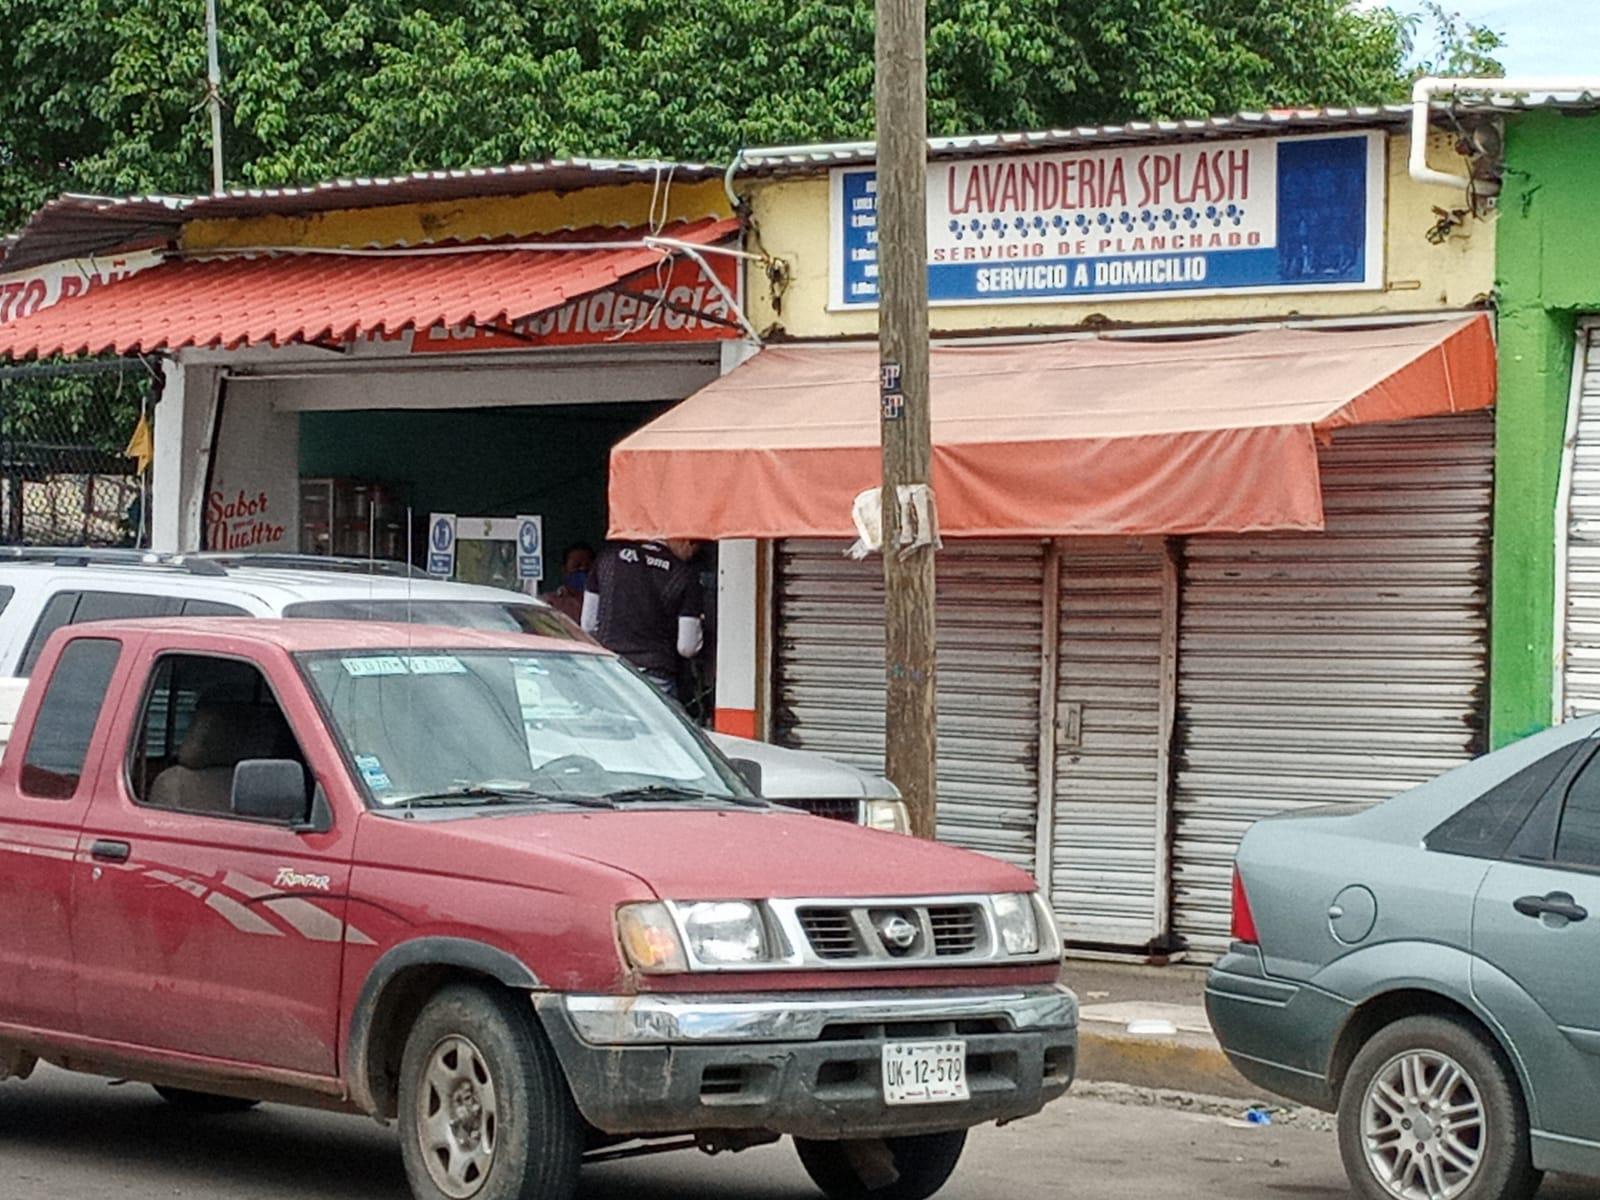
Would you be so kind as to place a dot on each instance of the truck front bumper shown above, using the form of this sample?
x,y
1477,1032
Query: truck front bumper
x,y
806,1064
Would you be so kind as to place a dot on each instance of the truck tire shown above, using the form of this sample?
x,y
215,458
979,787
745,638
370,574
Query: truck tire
x,y
1430,1104
485,1112
895,1168
204,1103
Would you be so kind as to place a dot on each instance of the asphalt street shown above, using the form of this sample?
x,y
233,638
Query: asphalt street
x,y
73,1136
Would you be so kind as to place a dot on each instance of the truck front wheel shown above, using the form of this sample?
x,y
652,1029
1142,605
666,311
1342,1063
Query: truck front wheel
x,y
896,1168
485,1113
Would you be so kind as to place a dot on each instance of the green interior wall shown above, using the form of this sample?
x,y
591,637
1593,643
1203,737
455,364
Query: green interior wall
x,y
547,461
1547,253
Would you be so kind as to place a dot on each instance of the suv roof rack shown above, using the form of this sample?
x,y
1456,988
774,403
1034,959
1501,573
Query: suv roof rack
x,y
108,556
311,562
210,563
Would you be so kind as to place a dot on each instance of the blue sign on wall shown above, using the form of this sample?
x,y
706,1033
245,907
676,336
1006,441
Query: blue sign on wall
x,y
1209,217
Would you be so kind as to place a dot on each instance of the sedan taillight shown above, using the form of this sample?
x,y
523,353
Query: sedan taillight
x,y
1244,922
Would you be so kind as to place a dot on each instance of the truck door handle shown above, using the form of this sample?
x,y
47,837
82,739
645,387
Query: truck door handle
x,y
107,850
1556,904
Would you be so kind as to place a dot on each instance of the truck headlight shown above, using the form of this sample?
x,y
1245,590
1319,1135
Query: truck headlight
x,y
1018,921
885,813
725,933
649,938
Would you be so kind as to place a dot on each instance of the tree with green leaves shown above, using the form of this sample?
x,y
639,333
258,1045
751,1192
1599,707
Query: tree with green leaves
x,y
107,95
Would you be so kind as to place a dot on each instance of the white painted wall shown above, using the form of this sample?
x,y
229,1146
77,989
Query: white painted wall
x,y
738,610
254,500
181,428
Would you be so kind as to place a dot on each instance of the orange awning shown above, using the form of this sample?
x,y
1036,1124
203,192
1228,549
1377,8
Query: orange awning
x,y
278,299
1101,436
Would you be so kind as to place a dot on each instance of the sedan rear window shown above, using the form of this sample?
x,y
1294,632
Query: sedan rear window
x,y
1485,827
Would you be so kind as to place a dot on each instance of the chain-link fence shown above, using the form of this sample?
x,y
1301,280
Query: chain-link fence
x,y
65,476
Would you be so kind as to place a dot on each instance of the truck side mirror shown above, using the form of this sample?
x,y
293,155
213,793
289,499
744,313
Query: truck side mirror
x,y
748,770
270,789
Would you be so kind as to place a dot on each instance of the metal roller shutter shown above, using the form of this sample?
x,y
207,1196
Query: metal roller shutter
x,y
1343,666
1113,725
1579,611
828,678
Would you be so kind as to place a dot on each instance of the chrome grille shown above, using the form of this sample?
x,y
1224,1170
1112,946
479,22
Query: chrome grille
x,y
899,933
956,929
831,932
838,933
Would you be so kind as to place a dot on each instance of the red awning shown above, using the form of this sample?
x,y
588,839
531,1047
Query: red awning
x,y
1107,436
275,299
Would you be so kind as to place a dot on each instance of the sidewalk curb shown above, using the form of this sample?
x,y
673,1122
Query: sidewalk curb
x,y
1108,1054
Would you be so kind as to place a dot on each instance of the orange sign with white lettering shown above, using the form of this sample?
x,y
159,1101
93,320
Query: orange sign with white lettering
x,y
678,303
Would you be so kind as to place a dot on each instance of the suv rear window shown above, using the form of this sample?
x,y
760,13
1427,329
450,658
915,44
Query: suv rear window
x,y
76,607
452,614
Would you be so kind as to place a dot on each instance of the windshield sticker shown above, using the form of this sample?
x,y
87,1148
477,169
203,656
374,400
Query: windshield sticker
x,y
393,664
436,664
372,771
373,666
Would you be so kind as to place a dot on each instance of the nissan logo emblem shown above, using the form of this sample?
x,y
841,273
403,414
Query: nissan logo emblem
x,y
897,932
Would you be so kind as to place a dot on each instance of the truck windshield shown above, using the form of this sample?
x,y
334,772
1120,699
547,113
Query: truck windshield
x,y
488,726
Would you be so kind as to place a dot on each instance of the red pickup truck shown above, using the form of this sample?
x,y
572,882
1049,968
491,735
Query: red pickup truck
x,y
494,889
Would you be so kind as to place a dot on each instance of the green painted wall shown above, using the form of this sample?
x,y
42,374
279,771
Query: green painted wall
x,y
549,461
1547,253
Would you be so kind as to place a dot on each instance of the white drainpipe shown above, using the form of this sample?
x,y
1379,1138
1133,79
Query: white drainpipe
x,y
1430,88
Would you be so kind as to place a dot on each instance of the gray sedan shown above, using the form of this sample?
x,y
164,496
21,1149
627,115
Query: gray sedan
x,y
1429,968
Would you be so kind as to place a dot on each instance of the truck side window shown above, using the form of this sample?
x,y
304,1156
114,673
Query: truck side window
x,y
59,743
202,716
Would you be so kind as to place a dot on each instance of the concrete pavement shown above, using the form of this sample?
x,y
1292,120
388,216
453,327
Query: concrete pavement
x,y
1147,1026
75,1136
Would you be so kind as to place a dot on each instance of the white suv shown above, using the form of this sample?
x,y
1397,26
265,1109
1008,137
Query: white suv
x,y
41,590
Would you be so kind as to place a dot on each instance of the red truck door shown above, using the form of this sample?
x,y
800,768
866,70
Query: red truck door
x,y
200,932
45,787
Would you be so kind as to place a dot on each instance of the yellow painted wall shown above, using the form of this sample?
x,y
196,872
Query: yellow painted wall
x,y
484,217
792,219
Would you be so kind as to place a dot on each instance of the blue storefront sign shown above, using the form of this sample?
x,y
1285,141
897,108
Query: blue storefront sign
x,y
442,544
530,548
1262,214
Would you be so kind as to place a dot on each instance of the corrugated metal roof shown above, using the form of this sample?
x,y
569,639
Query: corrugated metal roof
x,y
275,299
76,226
1565,101
771,159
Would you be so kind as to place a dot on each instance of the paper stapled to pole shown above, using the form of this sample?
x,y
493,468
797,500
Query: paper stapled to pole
x,y
919,520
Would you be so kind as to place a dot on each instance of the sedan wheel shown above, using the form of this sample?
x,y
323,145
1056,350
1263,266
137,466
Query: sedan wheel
x,y
1431,1110
1422,1126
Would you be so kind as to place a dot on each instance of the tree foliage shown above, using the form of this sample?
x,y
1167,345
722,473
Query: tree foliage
x,y
107,95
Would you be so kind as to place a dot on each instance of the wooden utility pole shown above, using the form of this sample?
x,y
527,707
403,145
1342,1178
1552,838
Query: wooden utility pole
x,y
902,180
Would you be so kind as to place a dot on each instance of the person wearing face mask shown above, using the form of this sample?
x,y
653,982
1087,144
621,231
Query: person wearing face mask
x,y
577,560
644,601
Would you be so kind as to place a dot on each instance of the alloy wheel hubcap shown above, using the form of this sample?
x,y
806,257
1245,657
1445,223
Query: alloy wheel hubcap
x,y
457,1117
1422,1126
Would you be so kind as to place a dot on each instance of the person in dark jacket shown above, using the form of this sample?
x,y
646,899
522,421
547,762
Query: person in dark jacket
x,y
644,602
